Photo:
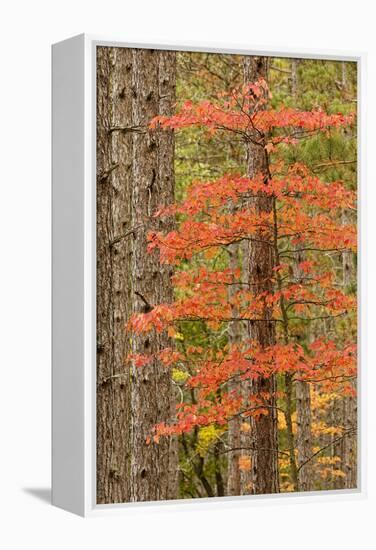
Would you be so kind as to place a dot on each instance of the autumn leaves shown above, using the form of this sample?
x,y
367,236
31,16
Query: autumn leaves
x,y
304,222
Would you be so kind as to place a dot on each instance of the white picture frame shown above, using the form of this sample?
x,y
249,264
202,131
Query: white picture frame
x,y
74,272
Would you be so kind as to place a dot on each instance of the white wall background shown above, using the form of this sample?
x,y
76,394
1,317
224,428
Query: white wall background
x,y
27,30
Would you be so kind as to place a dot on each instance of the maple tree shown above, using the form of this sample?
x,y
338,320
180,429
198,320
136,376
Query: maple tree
x,y
303,221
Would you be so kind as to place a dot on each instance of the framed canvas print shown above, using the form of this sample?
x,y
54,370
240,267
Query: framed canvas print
x,y
206,289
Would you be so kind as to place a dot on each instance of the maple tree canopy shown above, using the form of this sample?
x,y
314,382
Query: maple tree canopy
x,y
216,214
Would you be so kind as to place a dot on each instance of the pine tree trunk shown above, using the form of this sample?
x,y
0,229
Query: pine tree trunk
x,y
349,443
264,432
154,466
304,435
349,457
135,174
303,411
114,180
346,416
234,440
294,77
238,481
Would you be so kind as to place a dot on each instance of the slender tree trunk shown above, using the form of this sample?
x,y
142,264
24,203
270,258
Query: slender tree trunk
x,y
302,389
346,408
154,466
288,378
343,76
238,482
294,77
346,415
304,434
303,414
264,432
234,439
114,153
349,443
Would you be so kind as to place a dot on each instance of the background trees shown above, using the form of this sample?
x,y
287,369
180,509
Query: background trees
x,y
262,321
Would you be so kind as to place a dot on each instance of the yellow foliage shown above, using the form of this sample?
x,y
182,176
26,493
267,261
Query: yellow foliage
x,y
321,428
294,422
327,473
179,376
282,421
206,437
338,473
328,460
321,402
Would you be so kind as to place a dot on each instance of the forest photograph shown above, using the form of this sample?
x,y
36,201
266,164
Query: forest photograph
x,y
226,275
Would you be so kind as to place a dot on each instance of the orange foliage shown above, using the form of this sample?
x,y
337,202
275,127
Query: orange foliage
x,y
213,216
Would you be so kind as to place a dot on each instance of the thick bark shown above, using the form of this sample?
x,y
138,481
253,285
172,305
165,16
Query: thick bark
x,y
114,151
134,175
153,467
261,262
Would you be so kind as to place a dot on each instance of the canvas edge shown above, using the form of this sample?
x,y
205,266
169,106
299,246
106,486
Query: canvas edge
x,y
67,203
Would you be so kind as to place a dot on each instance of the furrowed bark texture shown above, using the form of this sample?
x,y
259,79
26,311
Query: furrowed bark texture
x,y
238,481
265,478
303,412
348,445
154,466
114,181
348,455
347,406
134,175
304,435
294,77
234,434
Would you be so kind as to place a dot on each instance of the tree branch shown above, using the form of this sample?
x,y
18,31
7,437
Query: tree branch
x,y
348,432
126,234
